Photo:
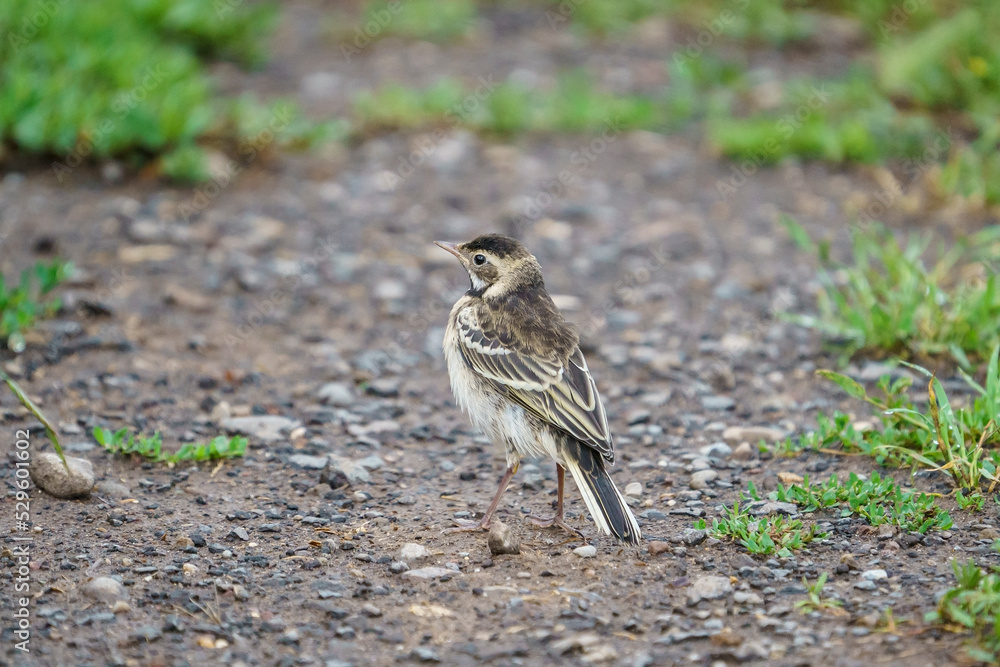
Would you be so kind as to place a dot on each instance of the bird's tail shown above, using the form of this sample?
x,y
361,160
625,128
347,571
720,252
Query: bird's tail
x,y
605,502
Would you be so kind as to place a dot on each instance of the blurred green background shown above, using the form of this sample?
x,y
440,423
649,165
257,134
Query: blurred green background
x,y
129,79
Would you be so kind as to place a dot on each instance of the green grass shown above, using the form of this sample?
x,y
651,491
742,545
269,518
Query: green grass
x,y
432,20
151,448
765,21
103,79
928,70
505,108
973,604
50,430
931,72
845,120
887,300
576,104
764,535
957,440
21,305
925,93
815,600
878,499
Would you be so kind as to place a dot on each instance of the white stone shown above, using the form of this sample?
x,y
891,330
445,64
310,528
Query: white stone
x,y
104,589
708,588
49,474
700,479
266,428
429,573
411,551
633,489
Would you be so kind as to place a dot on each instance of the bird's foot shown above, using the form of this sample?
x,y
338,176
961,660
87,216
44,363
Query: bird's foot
x,y
557,521
462,525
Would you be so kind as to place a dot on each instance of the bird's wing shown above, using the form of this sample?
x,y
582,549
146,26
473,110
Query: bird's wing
x,y
561,393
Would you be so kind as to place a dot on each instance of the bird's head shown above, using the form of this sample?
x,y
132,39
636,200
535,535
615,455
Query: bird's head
x,y
496,264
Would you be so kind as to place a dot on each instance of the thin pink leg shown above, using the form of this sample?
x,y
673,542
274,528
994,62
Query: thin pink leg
x,y
484,523
557,520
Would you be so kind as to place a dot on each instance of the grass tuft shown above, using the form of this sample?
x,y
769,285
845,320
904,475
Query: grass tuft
x,y
815,600
958,440
22,305
764,535
973,604
78,86
887,301
151,448
879,500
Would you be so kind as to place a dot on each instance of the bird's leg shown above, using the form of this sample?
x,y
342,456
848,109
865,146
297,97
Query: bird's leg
x,y
557,520
484,523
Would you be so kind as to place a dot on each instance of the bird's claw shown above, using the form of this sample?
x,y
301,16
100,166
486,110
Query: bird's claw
x,y
463,525
554,521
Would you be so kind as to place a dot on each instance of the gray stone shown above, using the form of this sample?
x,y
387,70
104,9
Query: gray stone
x,y
874,575
586,551
383,388
371,462
502,540
753,434
104,589
751,650
701,479
719,450
113,489
865,585
429,573
633,489
424,654
708,588
742,597
717,403
49,475
765,507
693,536
340,472
743,452
308,462
146,634
411,551
266,428
336,393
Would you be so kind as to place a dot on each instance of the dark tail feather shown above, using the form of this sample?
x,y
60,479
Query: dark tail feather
x,y
606,504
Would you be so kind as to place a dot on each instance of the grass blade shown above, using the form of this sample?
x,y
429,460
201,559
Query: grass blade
x,y
50,430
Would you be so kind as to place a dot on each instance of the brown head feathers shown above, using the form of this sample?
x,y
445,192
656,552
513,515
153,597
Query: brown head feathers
x,y
503,247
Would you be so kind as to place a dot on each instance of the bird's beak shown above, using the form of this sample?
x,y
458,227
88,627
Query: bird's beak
x,y
452,248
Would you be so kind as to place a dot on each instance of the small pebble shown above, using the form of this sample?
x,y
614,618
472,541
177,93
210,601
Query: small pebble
x,y
503,540
656,548
701,479
49,474
411,552
586,551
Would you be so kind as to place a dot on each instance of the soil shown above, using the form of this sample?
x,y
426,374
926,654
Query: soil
x,y
318,269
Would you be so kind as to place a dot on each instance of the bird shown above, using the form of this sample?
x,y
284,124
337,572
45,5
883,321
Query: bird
x,y
515,366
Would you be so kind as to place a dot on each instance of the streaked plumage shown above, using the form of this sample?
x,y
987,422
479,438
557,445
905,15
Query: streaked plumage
x,y
516,367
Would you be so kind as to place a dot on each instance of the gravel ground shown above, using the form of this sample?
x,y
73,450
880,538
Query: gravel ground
x,y
304,306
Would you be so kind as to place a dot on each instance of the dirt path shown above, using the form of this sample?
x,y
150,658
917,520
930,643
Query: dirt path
x,y
312,270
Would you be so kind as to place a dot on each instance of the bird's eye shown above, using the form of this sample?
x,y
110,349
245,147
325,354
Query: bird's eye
x,y
479,260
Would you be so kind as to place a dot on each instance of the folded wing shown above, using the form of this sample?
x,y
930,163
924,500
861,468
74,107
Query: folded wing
x,y
559,391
